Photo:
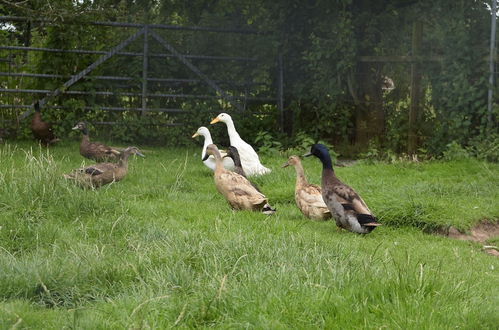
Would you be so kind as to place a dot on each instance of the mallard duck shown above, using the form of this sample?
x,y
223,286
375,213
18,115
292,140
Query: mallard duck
x,y
236,189
95,150
346,206
42,130
210,162
249,158
95,176
308,196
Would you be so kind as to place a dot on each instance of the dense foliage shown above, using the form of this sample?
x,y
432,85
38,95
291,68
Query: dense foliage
x,y
331,91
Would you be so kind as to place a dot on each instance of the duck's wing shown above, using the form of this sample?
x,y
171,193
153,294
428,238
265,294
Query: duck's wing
x,y
250,160
102,148
240,188
311,194
98,169
93,171
350,199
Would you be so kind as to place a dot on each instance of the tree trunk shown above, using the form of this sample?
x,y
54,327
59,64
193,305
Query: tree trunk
x,y
416,92
369,114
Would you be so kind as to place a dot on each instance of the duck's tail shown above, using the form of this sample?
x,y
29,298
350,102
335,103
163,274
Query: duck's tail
x,y
70,176
368,220
257,170
267,209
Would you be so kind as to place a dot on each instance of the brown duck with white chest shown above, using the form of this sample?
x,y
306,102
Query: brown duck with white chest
x,y
95,150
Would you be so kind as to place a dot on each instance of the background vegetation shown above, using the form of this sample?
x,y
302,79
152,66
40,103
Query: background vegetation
x,y
330,93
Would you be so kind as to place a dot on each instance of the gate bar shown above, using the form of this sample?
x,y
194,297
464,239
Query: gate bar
x,y
100,52
186,96
165,80
169,110
85,71
138,25
194,69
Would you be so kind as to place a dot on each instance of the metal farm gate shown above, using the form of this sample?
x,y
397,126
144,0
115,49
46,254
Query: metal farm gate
x,y
158,73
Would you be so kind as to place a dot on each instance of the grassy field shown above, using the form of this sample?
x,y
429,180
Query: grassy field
x,y
162,248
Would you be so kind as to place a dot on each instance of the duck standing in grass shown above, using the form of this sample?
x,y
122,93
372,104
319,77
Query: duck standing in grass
x,y
97,175
42,130
236,189
346,206
210,161
95,150
308,196
249,158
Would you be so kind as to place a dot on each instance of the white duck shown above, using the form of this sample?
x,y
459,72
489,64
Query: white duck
x,y
249,158
210,162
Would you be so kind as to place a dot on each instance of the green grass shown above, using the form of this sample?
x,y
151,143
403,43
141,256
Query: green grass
x,y
162,248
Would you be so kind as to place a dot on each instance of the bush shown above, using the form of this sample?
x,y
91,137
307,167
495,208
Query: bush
x,y
486,148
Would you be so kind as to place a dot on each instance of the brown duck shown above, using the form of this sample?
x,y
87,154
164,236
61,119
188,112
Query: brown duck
x,y
308,196
42,130
97,175
346,206
236,189
95,150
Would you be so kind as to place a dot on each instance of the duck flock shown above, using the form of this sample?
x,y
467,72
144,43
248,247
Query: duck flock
x,y
231,170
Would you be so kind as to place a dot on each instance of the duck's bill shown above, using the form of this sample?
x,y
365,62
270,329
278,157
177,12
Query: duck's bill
x,y
214,121
194,135
286,164
308,154
75,128
138,153
205,157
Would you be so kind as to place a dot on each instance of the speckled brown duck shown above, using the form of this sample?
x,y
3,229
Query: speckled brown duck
x,y
308,196
95,176
95,150
236,189
42,130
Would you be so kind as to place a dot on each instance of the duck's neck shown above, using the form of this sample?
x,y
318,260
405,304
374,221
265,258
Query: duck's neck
x,y
207,141
123,162
231,130
237,161
219,166
37,116
85,135
327,169
326,162
300,175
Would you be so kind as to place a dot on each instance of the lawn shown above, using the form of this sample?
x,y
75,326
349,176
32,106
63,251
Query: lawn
x,y
162,248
